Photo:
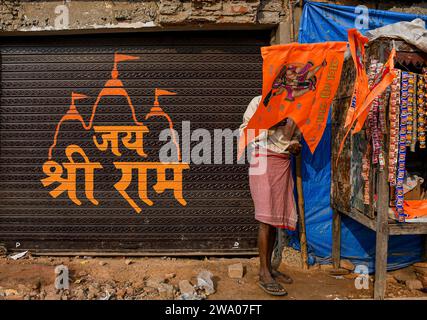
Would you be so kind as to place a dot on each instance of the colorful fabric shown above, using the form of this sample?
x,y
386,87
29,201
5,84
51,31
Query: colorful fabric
x,y
415,208
278,138
273,191
357,48
299,82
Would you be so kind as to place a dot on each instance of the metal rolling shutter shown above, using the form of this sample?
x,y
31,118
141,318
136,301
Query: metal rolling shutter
x,y
215,75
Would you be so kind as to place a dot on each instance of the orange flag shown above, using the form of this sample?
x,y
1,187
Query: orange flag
x,y
299,82
162,92
118,57
362,94
357,48
382,80
77,96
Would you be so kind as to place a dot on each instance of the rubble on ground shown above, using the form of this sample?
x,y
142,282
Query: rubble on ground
x,y
91,279
235,271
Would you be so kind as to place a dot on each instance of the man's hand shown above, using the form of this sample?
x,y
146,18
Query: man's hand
x,y
295,148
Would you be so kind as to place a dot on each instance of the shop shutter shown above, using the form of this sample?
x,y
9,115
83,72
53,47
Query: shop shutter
x,y
214,76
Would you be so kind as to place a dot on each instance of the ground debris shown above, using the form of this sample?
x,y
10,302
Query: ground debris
x,y
205,282
235,271
185,287
35,280
18,255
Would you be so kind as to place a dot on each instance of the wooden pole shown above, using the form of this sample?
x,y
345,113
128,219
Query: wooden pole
x,y
382,237
301,218
291,18
336,239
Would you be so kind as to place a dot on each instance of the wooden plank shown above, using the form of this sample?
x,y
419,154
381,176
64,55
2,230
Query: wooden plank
x,y
407,228
382,235
340,180
336,239
301,218
381,263
361,218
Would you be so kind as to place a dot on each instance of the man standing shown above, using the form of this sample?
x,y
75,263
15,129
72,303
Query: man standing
x,y
272,193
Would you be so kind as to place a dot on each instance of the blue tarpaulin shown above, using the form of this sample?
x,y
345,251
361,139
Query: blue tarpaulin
x,y
328,22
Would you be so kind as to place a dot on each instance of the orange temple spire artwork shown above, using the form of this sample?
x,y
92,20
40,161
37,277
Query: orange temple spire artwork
x,y
106,139
72,114
157,111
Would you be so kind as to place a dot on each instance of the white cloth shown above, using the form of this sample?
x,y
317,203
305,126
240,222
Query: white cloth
x,y
279,138
413,32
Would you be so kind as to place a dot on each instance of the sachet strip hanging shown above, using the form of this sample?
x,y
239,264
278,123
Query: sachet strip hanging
x,y
375,116
384,98
368,155
402,146
421,108
366,167
413,96
374,132
394,112
411,125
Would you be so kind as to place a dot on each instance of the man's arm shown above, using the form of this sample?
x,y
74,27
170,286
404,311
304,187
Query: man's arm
x,y
250,111
295,145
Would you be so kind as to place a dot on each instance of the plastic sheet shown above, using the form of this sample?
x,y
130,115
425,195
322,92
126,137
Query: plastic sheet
x,y
328,22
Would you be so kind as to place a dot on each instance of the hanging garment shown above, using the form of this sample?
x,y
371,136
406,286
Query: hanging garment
x,y
273,190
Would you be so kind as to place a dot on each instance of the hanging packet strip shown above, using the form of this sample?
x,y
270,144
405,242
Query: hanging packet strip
x,y
421,108
374,114
412,113
382,126
374,132
385,78
402,147
299,82
394,113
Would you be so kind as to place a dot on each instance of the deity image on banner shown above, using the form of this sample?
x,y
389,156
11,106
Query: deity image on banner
x,y
294,79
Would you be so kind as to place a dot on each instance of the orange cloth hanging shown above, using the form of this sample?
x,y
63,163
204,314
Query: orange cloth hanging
x,y
415,208
363,95
357,48
299,82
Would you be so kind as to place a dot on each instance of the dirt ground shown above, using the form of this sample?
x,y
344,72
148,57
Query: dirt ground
x,y
140,278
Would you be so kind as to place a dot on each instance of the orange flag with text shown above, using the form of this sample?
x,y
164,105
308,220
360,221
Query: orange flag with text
x,y
299,82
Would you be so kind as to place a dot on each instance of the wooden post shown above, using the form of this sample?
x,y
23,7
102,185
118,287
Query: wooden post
x,y
336,239
301,218
382,236
291,18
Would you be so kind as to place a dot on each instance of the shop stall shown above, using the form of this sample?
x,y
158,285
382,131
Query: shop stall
x,y
380,178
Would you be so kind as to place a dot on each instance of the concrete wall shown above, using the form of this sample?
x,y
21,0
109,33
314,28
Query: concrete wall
x,y
24,15
83,16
